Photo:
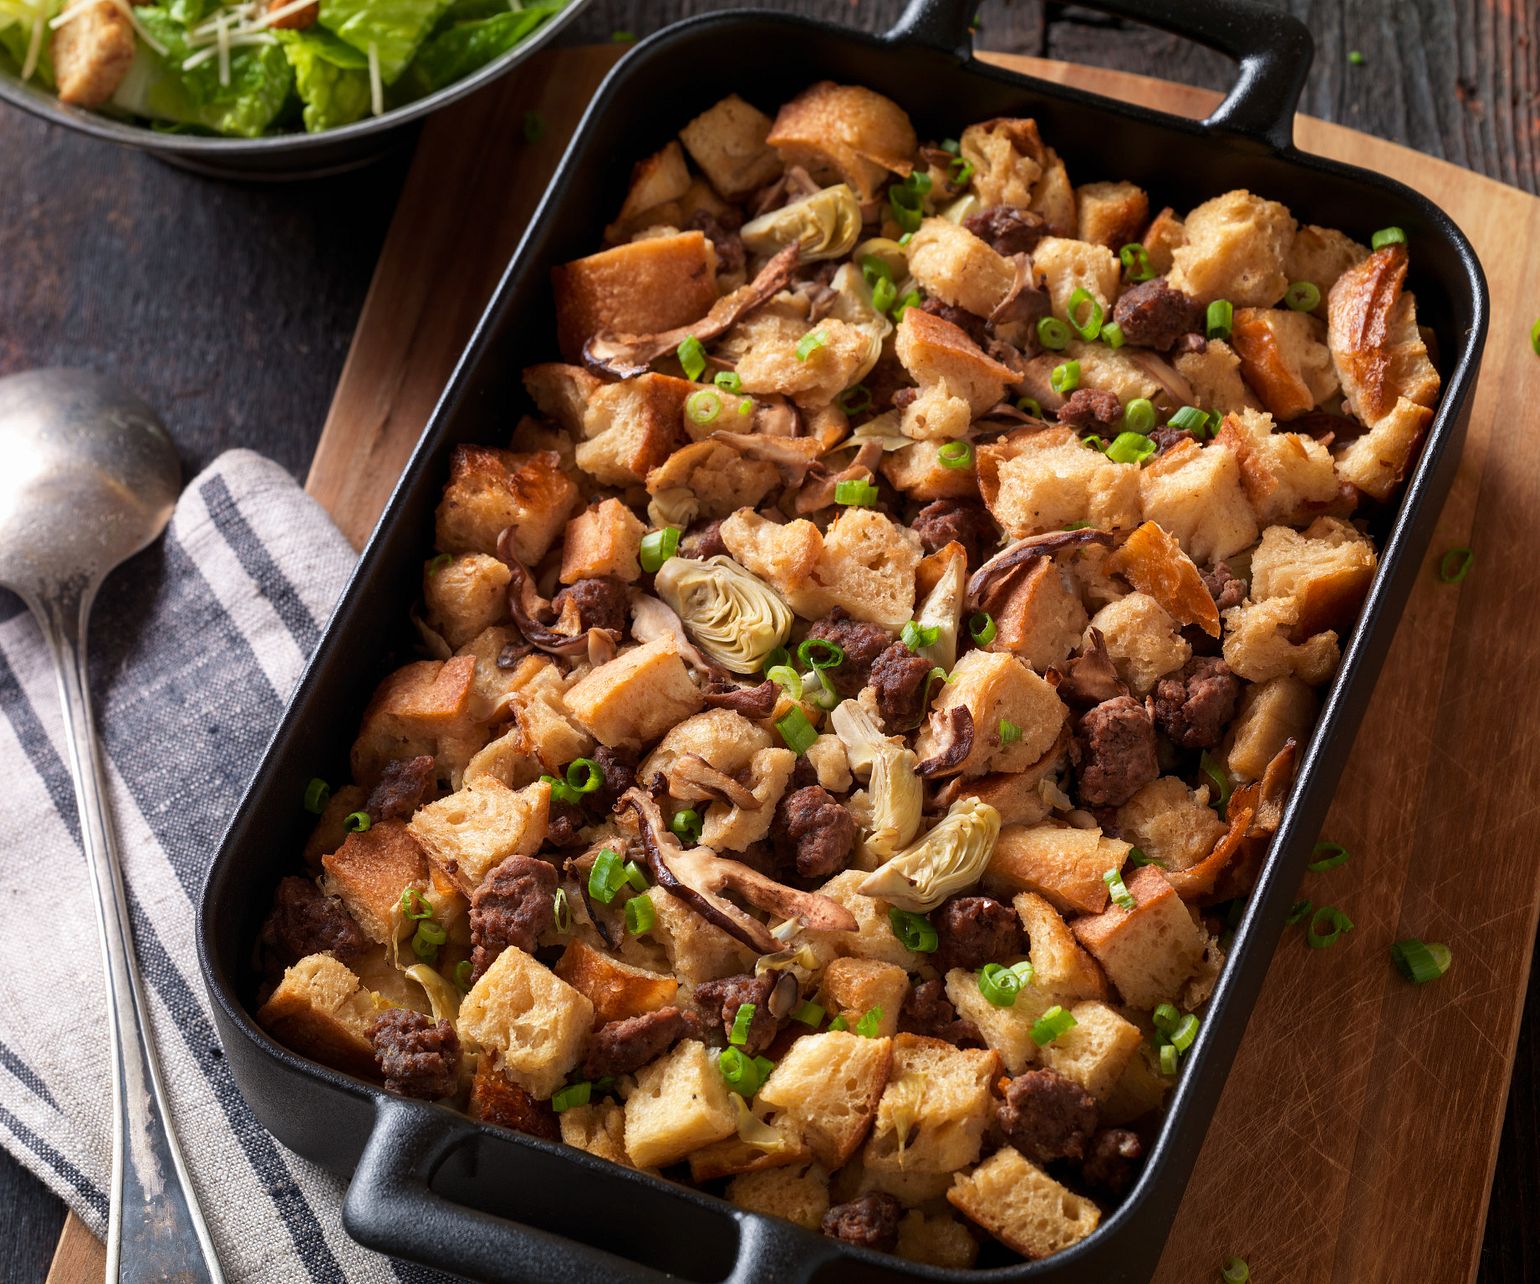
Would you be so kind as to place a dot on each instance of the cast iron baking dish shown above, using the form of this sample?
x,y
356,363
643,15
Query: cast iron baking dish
x,y
439,1188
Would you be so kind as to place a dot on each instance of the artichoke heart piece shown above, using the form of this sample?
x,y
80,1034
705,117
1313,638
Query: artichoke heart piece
x,y
895,795
823,225
733,616
948,860
442,996
942,611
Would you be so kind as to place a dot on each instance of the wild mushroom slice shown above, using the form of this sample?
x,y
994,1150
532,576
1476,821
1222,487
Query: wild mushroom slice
x,y
652,618
818,488
954,750
754,702
794,456
525,604
991,577
692,779
1090,677
698,876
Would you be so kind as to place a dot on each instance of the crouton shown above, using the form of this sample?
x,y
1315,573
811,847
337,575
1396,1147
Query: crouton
x,y
1195,493
655,180
369,872
1148,952
1041,618
320,1009
1137,1093
490,490
873,937
1006,1031
1060,968
829,761
410,712
784,556
599,1128
1142,640
1326,570
936,1239
1284,358
1320,255
1062,266
724,738
1111,214
1061,864
1154,563
1012,166
631,427
1284,474
728,142
1170,823
853,987
935,1108
681,1103
475,828
562,392
496,1099
1259,643
1095,1051
828,1086
1017,795
771,360
957,381
1271,713
1375,344
617,990
697,950
845,133
1161,238
996,689
536,1023
736,828
1377,461
609,700
799,1194
92,52
466,596
1022,1206
330,830
604,539
1214,374
716,478
543,738
1044,481
1234,249
733,1155
919,472
641,287
952,264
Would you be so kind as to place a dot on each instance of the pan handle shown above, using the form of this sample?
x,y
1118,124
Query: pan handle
x,y
392,1208
1274,50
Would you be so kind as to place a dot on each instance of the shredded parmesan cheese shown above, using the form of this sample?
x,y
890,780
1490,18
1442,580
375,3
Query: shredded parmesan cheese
x,y
223,34
34,45
376,87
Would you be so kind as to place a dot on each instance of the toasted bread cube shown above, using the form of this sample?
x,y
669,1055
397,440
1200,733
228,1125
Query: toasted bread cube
x,y
1377,461
732,1155
1326,570
617,990
935,1109
1060,968
1284,358
784,556
705,481
873,937
800,1194
957,380
1123,373
1138,1092
1259,643
1171,823
917,470
642,287
697,950
1061,864
465,597
1215,377
631,427
411,711
637,696
1234,249
995,688
1143,641
768,345
1375,342
1320,255
599,1128
828,1085
495,1098
1111,214
655,180
1096,1050
1153,562
853,987
330,830
845,133
912,1187
681,1103
1006,1031
1161,238
1048,479
605,539
1062,266
322,1010
1041,618
562,392
369,872
1284,473
1195,493
1022,1206
543,738
1012,166
91,55
728,142
1017,795
734,828
491,490
475,828
1150,951
536,1023
955,266
936,1239
1271,713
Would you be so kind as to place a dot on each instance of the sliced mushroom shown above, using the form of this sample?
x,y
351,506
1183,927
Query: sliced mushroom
x,y
792,455
948,860
752,702
692,779
895,797
956,745
822,225
817,490
992,578
1090,677
1162,372
652,619
526,606
734,616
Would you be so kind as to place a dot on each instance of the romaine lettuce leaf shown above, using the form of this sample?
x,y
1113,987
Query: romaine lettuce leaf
x,y
331,76
394,27
18,19
462,48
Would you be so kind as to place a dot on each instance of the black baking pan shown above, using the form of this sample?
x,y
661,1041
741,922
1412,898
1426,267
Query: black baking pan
x,y
434,1186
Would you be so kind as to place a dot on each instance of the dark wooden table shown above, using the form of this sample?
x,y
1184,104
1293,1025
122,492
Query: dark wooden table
x,y
230,308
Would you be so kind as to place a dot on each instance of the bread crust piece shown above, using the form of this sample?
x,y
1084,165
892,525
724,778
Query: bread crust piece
x,y
535,1022
935,1109
1154,563
1283,357
828,1085
490,490
1061,864
845,133
322,1010
411,711
642,287
617,990
1234,249
729,141
1372,333
1148,952
1022,1206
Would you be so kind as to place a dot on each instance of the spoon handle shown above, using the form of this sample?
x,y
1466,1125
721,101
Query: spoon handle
x,y
155,1230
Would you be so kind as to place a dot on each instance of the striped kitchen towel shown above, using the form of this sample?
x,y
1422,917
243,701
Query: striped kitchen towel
x,y
195,648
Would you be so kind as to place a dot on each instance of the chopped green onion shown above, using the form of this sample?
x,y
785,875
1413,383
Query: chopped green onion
x,y
1137,859
856,494
1190,418
1052,333
838,1023
604,1083
438,563
703,406
1168,1060
884,294
740,1072
692,357
915,635
1031,406
810,1014
1235,1269
796,731
914,930
414,905
1165,1017
912,299
1534,337
1065,377
561,910
1455,565
874,269
1300,909
906,238
742,1019
1095,443
1112,335
1331,855
1077,526
1418,962
432,931
982,628
1025,971
356,822
959,171
1303,296
746,406
854,401
585,775
1220,319
687,824
622,37
906,200
423,944
951,145
658,546
1130,448
1326,925
809,343
561,791
787,678
1139,415
820,653
534,127
1136,262
1122,897
870,1023
640,915
317,794
1051,1025
1009,732
779,656
574,1094
1185,1032
463,975
607,876
955,454
1221,779
1356,57
1387,236
1092,325
1000,985
636,876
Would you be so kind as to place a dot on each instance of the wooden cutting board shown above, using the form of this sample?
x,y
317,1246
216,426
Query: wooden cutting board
x,y
1356,1138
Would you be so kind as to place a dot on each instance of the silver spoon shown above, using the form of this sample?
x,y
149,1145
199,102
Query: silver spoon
x,y
88,477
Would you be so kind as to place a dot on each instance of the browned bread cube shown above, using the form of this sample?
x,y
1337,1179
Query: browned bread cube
x,y
604,539
1375,344
637,696
410,711
1012,166
1195,493
955,266
1161,238
370,871
490,490
1171,823
732,1155
1041,618
466,596
1111,214
1234,249
1284,358
1286,475
681,1103
933,1114
1153,562
655,180
1061,864
1148,952
1007,1032
472,830
320,1009
1326,569
728,142
1320,255
1022,1206
1045,480
599,1128
917,470
1094,1051
852,987
535,1022
845,133
1062,265
1271,713
1259,643
995,688
495,1098
799,1194
1215,377
617,990
631,427
1061,969
1142,640
828,1085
